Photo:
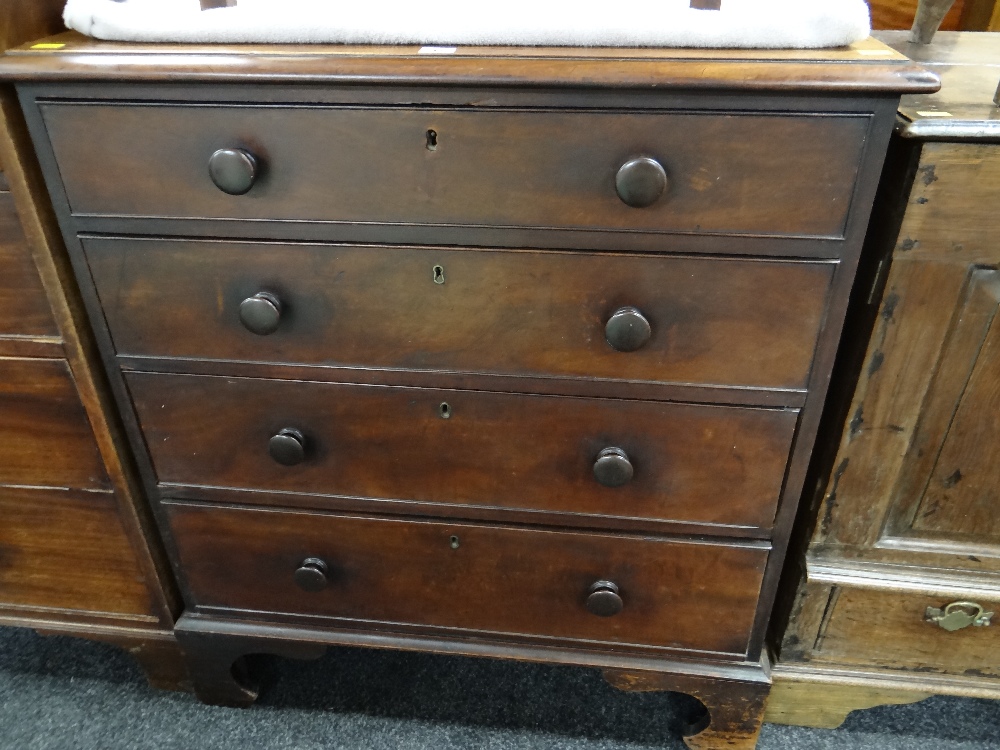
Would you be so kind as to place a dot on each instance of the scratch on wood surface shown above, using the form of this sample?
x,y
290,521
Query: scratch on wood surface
x,y
856,422
831,497
889,306
878,357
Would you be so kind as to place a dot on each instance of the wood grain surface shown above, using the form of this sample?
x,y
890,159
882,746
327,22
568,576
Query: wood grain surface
x,y
801,702
899,14
873,68
714,320
67,550
926,398
45,436
503,580
906,506
25,308
77,390
704,464
738,173
868,628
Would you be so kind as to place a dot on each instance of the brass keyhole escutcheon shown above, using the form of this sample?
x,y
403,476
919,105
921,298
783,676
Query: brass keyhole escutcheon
x,y
444,410
432,140
438,274
959,615
454,542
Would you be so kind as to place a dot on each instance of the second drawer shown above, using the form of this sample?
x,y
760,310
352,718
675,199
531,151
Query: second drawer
x,y
708,320
653,461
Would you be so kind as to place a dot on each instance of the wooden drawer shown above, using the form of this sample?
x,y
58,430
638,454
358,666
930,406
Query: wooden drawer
x,y
64,550
45,436
25,307
690,463
493,579
889,630
770,174
713,320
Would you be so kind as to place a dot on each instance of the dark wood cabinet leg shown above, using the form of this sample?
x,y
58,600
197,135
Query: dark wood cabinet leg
x,y
734,709
223,676
158,653
163,663
225,669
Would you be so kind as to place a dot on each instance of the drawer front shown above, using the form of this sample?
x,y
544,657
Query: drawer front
x,y
689,463
776,174
508,581
67,550
890,629
22,298
45,436
711,320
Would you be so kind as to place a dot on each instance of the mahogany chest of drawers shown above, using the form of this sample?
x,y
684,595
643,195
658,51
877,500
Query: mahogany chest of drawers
x,y
513,353
79,554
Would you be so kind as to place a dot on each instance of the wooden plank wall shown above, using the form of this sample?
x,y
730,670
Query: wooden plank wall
x,y
968,15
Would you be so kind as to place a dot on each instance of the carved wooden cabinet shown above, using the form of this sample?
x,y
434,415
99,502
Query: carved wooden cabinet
x,y
78,551
510,353
902,576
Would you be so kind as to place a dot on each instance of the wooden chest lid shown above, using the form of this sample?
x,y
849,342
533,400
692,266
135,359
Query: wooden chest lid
x,y
964,109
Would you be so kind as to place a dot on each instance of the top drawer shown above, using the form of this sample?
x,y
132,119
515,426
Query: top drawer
x,y
762,174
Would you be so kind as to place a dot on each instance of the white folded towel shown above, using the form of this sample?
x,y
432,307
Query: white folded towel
x,y
596,23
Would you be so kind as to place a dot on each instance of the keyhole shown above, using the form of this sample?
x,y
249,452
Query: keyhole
x,y
444,410
432,140
438,274
454,542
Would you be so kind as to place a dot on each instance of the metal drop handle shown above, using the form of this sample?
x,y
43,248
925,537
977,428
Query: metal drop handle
x,y
959,615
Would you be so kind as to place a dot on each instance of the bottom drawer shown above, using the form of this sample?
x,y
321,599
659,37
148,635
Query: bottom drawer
x,y
67,550
890,630
675,594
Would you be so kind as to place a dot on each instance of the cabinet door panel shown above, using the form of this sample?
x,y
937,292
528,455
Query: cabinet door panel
x,y
953,485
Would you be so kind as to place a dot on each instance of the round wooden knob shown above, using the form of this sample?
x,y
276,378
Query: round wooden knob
x,y
261,313
627,329
612,467
288,447
233,170
640,182
604,600
312,574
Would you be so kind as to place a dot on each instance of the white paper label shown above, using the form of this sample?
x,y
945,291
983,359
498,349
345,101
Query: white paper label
x,y
437,50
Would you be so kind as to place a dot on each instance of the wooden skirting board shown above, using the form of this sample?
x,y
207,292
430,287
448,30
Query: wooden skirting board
x,y
824,696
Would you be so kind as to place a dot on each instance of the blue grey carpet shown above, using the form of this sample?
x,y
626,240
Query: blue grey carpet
x,y
67,694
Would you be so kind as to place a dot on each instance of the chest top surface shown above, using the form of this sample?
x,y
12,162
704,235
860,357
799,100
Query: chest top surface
x,y
868,66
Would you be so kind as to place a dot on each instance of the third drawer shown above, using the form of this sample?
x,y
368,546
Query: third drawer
x,y
447,451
